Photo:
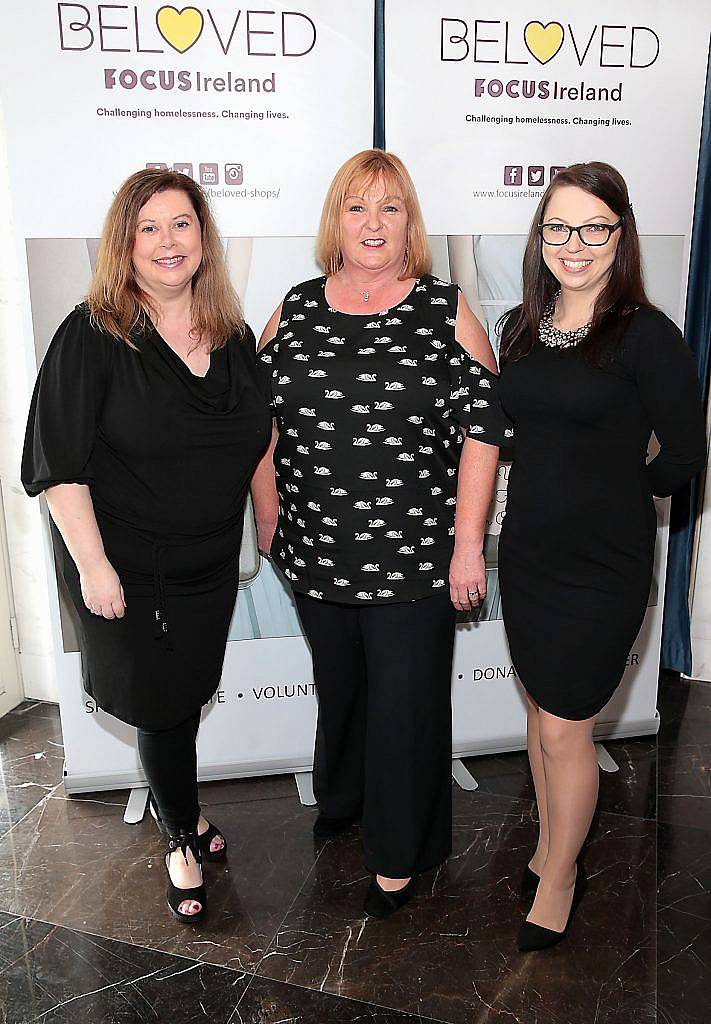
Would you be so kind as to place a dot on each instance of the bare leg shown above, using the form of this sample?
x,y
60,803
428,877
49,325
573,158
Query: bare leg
x,y
572,777
535,758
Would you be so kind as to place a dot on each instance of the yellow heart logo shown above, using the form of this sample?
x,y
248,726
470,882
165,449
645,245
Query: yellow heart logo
x,y
543,41
181,29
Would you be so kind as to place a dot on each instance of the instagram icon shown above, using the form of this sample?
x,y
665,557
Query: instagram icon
x,y
233,174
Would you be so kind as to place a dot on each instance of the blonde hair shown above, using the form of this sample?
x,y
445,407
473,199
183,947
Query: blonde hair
x,y
362,171
118,304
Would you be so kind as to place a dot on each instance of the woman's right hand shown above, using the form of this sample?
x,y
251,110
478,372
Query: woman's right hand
x,y
265,534
102,591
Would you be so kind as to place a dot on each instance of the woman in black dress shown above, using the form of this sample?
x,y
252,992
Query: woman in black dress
x,y
145,426
589,369
382,384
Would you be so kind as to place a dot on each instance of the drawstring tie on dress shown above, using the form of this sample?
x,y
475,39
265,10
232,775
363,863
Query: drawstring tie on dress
x,y
160,626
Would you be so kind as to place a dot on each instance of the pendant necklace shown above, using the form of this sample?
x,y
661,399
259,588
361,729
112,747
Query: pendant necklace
x,y
366,296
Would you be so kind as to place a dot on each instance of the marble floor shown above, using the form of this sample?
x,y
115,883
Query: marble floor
x,y
85,935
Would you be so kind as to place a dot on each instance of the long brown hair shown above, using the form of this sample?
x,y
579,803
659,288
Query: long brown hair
x,y
623,292
362,170
118,304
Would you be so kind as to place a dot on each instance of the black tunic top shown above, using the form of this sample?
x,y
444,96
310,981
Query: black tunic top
x,y
369,409
168,458
577,544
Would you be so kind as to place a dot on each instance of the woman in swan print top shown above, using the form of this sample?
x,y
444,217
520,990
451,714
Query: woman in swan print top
x,y
382,384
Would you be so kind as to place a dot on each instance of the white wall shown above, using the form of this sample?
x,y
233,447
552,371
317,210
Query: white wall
x,y
25,534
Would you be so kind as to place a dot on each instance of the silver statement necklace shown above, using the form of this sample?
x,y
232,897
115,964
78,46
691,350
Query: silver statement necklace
x,y
553,336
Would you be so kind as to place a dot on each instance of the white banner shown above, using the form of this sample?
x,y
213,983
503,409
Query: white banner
x,y
261,107
484,101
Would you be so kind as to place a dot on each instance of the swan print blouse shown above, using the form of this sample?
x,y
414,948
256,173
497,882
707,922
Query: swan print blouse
x,y
369,410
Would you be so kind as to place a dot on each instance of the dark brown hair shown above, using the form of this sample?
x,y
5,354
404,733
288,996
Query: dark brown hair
x,y
623,292
116,301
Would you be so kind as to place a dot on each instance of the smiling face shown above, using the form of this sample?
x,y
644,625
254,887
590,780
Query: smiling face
x,y
168,244
373,228
578,267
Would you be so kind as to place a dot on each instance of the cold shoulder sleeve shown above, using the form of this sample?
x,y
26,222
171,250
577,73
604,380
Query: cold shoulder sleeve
x,y
65,406
669,390
475,401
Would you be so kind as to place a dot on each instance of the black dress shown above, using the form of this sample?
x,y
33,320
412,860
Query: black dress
x,y
369,409
168,458
577,544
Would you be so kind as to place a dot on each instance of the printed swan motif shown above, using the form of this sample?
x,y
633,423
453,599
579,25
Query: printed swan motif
x,y
398,431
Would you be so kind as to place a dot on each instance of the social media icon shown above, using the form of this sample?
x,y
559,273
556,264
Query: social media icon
x,y
536,175
184,169
554,171
233,174
157,167
209,174
513,174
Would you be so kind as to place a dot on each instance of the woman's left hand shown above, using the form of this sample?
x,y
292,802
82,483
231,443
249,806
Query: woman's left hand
x,y
467,578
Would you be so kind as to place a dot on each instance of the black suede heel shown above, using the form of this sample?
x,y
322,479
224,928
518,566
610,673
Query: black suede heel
x,y
529,884
533,937
381,904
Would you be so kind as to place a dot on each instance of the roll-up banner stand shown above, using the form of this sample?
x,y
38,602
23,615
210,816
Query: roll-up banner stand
x,y
261,107
484,102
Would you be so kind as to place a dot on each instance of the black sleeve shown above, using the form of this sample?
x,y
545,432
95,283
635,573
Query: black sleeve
x,y
475,401
266,368
473,397
61,426
669,390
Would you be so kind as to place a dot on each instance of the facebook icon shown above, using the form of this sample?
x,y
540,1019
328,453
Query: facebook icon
x,y
513,174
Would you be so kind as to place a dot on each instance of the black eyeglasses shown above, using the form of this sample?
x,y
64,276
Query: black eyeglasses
x,y
589,234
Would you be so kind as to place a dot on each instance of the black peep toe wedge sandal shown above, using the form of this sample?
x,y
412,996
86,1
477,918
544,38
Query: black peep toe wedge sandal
x,y
204,840
205,844
197,894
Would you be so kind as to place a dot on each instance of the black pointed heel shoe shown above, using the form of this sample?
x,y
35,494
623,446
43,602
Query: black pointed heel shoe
x,y
529,884
175,896
329,828
533,937
382,904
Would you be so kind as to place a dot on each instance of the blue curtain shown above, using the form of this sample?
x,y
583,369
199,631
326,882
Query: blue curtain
x,y
676,633
379,83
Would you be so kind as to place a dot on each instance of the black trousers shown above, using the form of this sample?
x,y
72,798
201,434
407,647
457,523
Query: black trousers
x,y
169,760
384,733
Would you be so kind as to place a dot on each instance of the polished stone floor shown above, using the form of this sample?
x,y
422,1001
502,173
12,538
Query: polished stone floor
x,y
85,936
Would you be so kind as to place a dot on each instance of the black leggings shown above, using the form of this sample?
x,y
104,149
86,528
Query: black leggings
x,y
169,759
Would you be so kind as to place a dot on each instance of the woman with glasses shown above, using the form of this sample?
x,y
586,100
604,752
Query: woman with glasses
x,y
590,370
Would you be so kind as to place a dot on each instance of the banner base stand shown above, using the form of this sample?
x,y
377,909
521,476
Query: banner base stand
x,y
136,805
605,759
463,777
305,785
